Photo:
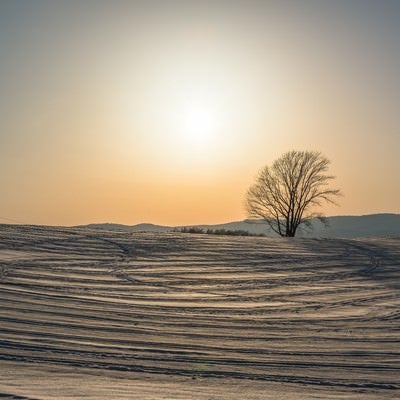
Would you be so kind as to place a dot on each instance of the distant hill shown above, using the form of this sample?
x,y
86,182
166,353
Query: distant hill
x,y
358,226
128,228
339,226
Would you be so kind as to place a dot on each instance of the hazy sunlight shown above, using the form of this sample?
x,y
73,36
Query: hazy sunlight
x,y
165,111
199,124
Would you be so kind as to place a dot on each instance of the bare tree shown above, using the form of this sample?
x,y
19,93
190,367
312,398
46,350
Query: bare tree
x,y
285,194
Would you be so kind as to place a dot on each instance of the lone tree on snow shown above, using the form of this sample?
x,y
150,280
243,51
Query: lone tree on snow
x,y
286,192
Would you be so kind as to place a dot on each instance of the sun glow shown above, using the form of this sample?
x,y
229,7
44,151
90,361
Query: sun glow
x,y
196,124
196,113
199,123
202,125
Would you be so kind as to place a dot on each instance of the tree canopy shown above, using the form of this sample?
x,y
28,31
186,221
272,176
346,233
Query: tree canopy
x,y
286,193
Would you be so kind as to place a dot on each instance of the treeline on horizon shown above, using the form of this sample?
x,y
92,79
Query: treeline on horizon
x,y
225,232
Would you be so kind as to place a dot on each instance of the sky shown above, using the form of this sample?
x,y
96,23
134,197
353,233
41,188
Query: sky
x,y
164,111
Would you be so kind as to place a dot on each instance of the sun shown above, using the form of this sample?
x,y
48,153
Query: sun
x,y
199,126
199,123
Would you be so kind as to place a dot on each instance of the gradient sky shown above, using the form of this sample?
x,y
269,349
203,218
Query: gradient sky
x,y
164,111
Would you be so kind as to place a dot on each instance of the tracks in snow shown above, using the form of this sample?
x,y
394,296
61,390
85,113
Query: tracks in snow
x,y
309,312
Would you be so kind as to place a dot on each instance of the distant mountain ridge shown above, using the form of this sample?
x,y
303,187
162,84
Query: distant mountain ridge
x,y
372,225
145,227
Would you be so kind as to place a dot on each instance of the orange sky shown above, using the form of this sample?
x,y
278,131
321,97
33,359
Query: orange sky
x,y
164,113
